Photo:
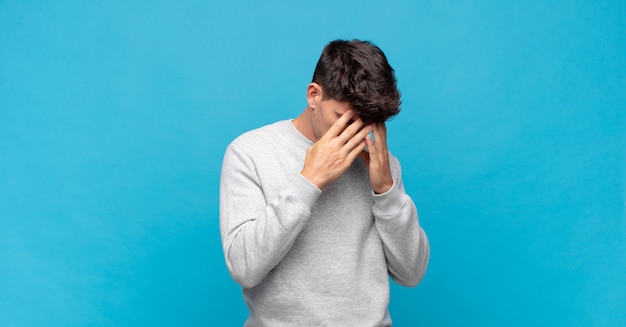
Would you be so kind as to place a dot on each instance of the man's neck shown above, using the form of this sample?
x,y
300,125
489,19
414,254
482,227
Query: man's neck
x,y
303,124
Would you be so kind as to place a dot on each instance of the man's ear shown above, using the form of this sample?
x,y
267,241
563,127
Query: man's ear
x,y
313,94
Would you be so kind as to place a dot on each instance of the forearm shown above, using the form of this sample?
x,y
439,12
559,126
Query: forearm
x,y
257,234
406,246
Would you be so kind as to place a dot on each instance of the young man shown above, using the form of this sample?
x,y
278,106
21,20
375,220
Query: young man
x,y
313,214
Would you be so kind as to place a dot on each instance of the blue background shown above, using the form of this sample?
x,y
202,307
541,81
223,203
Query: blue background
x,y
114,116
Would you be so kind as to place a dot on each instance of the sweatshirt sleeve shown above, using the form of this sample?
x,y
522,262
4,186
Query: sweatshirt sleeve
x,y
257,232
406,246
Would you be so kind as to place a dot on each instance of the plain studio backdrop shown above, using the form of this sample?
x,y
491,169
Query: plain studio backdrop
x,y
114,117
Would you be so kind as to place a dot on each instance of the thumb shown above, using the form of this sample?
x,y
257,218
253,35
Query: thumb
x,y
365,156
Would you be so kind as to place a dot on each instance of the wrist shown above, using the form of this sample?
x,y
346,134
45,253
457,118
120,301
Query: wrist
x,y
384,188
316,181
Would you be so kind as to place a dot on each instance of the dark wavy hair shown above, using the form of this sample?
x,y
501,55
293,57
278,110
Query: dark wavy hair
x,y
358,72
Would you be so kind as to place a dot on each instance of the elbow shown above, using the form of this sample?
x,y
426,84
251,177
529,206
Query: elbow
x,y
422,264
243,275
417,276
245,281
244,267
413,276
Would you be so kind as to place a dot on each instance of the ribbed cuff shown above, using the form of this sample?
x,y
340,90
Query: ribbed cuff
x,y
305,193
390,202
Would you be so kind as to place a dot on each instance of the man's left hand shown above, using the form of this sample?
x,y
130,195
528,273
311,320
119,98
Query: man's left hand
x,y
377,160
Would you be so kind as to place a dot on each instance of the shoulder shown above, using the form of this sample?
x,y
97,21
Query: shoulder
x,y
261,141
259,136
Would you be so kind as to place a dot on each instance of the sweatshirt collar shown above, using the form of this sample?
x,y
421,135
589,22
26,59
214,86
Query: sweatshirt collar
x,y
296,137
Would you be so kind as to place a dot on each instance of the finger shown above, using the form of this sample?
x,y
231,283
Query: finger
x,y
380,133
351,130
376,136
358,138
356,151
339,125
370,138
378,148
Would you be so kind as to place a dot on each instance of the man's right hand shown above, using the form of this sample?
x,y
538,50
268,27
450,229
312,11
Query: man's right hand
x,y
331,156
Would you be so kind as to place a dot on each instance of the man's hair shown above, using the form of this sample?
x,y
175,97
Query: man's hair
x,y
358,72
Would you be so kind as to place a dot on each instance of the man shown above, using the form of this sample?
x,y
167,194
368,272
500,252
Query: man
x,y
313,213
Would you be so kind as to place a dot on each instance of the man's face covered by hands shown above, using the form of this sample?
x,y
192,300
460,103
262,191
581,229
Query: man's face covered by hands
x,y
326,113
341,136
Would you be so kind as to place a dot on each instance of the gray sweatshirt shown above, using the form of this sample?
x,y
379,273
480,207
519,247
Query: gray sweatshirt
x,y
311,257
